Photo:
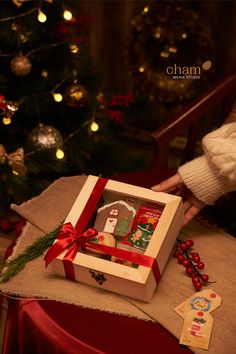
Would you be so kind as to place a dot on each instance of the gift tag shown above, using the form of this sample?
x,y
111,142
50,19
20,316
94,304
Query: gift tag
x,y
205,301
196,331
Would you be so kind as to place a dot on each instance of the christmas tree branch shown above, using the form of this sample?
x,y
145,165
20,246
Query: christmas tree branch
x,y
33,251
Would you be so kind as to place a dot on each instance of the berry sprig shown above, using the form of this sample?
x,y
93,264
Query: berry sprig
x,y
192,263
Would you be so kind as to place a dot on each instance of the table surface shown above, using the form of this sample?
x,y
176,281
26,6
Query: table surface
x,y
52,327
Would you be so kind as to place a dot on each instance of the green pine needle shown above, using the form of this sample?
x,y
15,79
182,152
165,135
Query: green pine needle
x,y
33,251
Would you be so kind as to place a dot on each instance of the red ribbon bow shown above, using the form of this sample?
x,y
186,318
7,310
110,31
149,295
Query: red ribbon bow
x,y
68,237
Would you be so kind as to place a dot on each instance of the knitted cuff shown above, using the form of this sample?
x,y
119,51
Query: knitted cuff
x,y
203,181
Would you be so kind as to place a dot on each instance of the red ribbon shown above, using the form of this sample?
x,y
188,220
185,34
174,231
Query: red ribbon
x,y
76,239
68,237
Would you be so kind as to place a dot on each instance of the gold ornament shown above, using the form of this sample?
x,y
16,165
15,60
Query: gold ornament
x,y
45,137
76,95
20,65
15,160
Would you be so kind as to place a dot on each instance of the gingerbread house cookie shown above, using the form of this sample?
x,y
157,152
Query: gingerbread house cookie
x,y
116,218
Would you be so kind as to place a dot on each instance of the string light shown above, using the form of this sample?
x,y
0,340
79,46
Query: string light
x,y
164,54
57,97
23,38
173,50
184,35
60,154
157,34
44,73
67,15
14,27
37,50
41,16
10,18
6,120
146,9
141,69
94,126
74,48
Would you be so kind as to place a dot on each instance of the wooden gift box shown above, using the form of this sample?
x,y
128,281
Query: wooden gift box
x,y
139,282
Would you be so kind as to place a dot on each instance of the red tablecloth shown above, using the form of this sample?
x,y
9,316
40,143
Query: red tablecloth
x,y
51,327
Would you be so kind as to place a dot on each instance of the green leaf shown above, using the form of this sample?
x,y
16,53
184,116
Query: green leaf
x,y
15,265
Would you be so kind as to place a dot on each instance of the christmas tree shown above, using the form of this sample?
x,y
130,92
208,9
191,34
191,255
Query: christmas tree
x,y
54,119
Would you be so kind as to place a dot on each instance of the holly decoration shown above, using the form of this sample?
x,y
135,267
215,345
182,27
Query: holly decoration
x,y
37,248
192,263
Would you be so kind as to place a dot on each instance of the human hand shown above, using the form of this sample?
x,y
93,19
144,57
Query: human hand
x,y
175,185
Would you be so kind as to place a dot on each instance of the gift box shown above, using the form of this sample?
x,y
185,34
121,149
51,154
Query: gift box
x,y
139,215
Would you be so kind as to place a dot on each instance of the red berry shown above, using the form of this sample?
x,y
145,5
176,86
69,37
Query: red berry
x,y
189,243
189,270
195,254
185,262
183,246
205,277
198,285
200,265
6,225
176,254
195,278
180,258
195,257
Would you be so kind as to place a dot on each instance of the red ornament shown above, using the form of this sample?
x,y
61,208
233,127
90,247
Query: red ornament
x,y
6,225
115,116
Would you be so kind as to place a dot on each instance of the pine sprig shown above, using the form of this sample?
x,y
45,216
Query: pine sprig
x,y
14,266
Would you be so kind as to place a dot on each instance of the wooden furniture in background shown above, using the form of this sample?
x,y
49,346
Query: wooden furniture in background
x,y
190,122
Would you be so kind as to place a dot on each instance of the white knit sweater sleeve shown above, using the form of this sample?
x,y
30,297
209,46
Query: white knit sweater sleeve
x,y
214,173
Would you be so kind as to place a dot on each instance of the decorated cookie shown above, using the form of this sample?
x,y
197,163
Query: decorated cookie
x,y
102,238
116,218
